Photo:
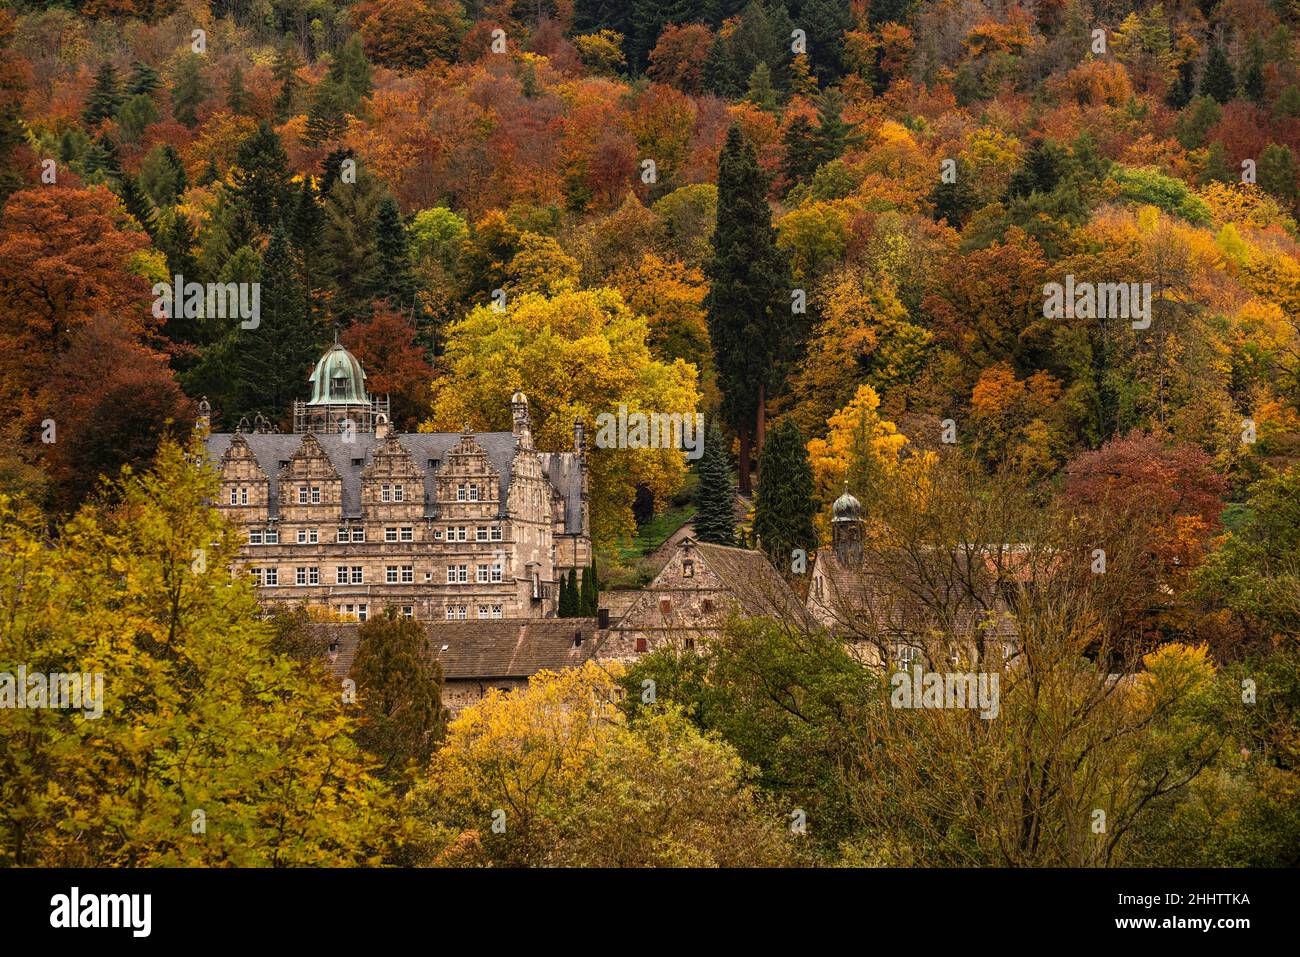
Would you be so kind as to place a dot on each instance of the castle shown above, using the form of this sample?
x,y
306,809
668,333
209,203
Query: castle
x,y
346,514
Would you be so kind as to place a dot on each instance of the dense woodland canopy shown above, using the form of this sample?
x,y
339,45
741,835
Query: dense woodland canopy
x,y
828,221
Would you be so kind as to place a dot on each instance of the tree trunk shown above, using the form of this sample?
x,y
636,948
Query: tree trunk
x,y
762,423
746,487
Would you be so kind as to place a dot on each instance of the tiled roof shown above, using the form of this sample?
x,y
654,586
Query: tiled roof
x,y
270,449
500,648
750,577
873,600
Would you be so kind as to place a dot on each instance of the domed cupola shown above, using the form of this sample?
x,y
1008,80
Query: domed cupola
x,y
338,379
846,528
846,508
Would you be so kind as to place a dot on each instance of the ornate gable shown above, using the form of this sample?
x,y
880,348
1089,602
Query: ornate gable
x,y
392,485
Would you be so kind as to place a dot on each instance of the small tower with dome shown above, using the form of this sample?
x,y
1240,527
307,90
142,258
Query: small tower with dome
x,y
339,397
847,528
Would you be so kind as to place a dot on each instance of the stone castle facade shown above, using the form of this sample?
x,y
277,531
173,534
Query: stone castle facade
x,y
346,514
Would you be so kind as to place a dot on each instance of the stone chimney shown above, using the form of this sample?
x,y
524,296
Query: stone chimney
x,y
521,422
204,420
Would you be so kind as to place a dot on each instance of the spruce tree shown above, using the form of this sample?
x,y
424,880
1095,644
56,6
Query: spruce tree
x,y
274,359
1218,81
784,507
238,100
104,98
749,294
589,595
285,72
834,135
720,70
715,499
1277,172
260,176
827,20
188,90
760,92
396,276
138,204
800,143
565,610
144,80
306,225
350,73
327,117
399,692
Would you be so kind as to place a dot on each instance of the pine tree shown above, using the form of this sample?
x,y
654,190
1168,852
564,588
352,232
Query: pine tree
x,y
715,499
1183,88
834,135
1252,76
349,247
306,225
800,143
350,73
760,92
274,359
749,293
396,277
260,176
328,116
720,70
565,609
188,90
285,72
238,99
104,98
784,507
399,692
144,80
827,20
138,205
1218,81
1277,172
955,201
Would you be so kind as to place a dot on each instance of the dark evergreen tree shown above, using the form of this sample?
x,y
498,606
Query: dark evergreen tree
x,y
890,11
1183,88
104,98
833,135
328,115
785,506
210,173
349,247
349,73
238,100
396,276
260,176
825,22
749,294
331,167
1252,72
1218,81
955,201
285,73
306,226
800,141
566,605
1041,169
138,204
721,74
144,80
589,593
715,497
273,360
399,692
189,90
1277,172
176,239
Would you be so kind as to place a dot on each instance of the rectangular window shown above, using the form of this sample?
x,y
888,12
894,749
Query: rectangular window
x,y
688,569
340,574
390,575
473,493
437,534
385,493
462,573
256,574
302,495
300,576
358,534
496,572
451,574
243,496
481,574
272,536
496,533
273,576
408,611
363,612
481,534
408,534
461,532
302,536
315,494
313,536
408,574
358,575
460,492
343,535
255,536
390,534
399,493
313,576
233,494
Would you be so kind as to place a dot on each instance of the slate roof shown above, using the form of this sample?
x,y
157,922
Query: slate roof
x,y
758,589
857,597
270,449
495,648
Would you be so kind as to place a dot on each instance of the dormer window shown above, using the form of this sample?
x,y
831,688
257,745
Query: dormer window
x,y
688,569
339,385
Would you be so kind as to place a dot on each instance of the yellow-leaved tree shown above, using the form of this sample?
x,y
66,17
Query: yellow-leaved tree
x,y
554,774
209,747
576,355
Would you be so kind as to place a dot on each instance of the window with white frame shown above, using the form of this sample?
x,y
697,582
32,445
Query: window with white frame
x,y
399,493
482,611
408,533
315,494
358,575
462,573
255,536
390,534
473,492
272,576
385,493
496,611
272,536
481,574
437,534
496,533
256,575
313,575
408,611
234,496
340,574
451,574
343,535
408,574
481,533
302,495
390,574
462,533
496,571
358,533
460,492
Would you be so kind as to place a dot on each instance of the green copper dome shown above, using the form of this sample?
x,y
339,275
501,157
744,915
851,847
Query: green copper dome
x,y
338,379
846,508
